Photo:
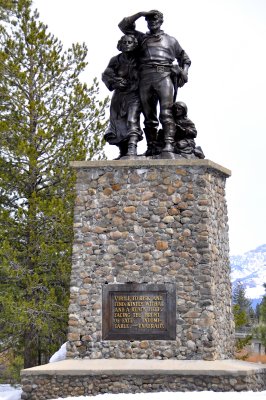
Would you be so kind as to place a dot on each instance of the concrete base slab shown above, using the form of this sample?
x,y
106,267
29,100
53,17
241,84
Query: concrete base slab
x,y
91,377
145,367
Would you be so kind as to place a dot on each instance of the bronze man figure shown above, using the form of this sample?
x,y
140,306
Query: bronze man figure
x,y
159,78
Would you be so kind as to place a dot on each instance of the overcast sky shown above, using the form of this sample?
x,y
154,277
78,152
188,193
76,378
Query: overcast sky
x,y
225,94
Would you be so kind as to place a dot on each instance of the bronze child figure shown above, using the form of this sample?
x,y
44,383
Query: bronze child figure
x,y
185,133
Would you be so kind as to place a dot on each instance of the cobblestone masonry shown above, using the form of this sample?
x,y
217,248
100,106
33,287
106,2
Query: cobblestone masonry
x,y
48,387
153,221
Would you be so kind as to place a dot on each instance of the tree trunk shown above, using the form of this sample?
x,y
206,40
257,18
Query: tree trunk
x,y
30,349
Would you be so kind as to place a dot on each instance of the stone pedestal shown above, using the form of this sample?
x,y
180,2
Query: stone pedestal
x,y
150,285
151,222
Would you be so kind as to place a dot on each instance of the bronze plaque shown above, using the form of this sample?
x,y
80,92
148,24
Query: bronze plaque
x,y
139,311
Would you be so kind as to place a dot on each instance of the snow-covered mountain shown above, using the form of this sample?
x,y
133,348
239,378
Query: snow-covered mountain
x,y
250,269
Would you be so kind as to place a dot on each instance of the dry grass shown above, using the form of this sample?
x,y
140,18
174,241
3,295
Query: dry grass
x,y
256,358
246,355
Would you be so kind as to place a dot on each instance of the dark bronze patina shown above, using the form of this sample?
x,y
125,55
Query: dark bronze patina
x,y
139,311
121,76
145,77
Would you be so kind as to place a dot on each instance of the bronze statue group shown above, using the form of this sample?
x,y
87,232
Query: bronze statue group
x,y
145,79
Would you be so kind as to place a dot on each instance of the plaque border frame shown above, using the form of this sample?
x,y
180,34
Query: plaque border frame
x,y
170,331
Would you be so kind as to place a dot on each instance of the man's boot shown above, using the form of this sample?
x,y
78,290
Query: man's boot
x,y
132,145
151,137
169,147
169,138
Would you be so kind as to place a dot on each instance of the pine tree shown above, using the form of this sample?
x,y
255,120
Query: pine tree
x,y
240,317
48,118
241,306
6,8
243,315
239,297
262,309
260,329
257,313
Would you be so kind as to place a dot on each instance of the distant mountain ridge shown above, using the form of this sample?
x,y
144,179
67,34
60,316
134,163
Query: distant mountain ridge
x,y
250,269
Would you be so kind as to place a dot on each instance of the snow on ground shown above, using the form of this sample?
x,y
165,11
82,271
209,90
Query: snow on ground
x,y
177,396
9,393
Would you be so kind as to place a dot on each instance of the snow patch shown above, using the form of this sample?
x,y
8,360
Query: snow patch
x,y
60,354
8,392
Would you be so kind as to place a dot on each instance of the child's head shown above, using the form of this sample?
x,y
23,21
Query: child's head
x,y
127,43
179,109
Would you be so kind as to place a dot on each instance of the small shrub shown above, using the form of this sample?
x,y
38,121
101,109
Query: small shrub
x,y
12,367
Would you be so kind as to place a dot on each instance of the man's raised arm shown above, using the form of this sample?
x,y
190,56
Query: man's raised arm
x,y
127,25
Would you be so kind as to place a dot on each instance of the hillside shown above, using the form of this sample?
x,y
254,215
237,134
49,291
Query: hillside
x,y
250,269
